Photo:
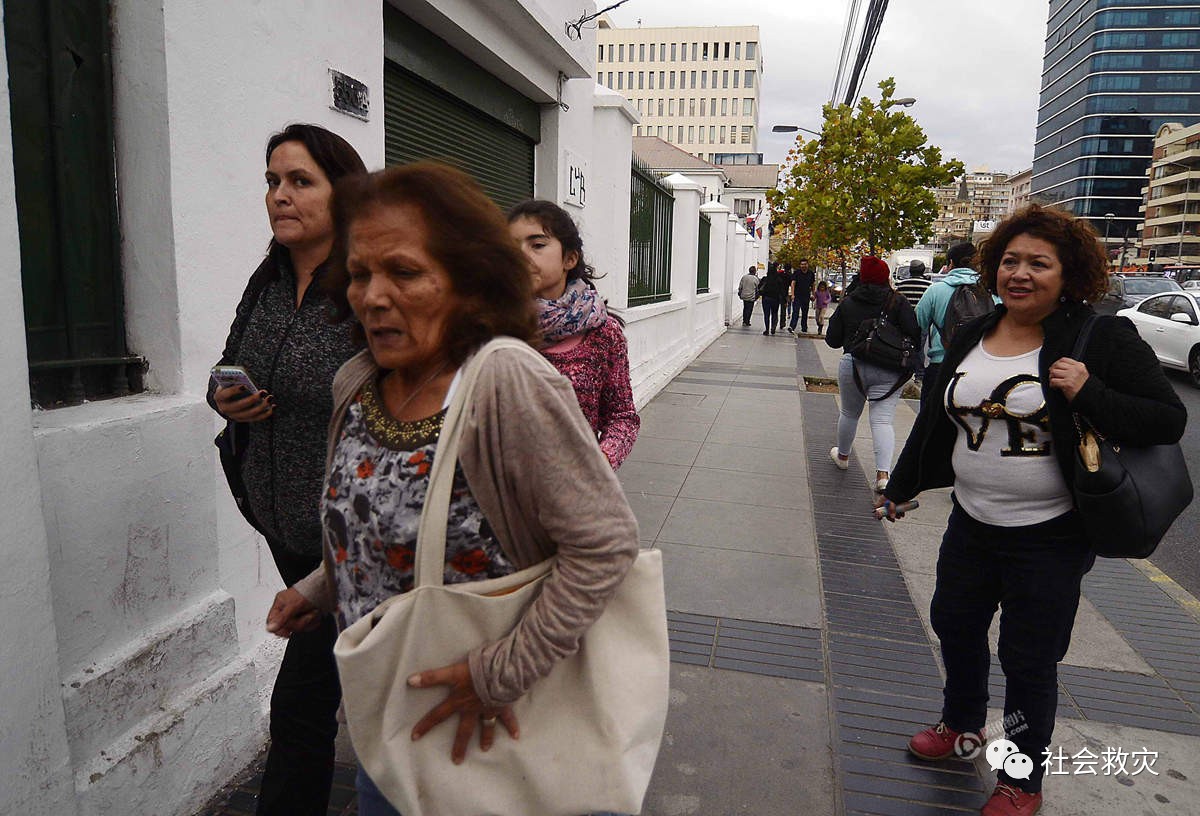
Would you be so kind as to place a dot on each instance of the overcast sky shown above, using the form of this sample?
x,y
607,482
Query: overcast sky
x,y
974,67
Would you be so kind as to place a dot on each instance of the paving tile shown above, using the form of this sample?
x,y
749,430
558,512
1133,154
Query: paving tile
x,y
731,526
651,478
743,459
760,437
650,512
664,451
964,798
911,772
666,429
749,586
750,489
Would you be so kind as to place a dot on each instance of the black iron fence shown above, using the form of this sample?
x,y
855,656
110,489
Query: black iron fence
x,y
650,211
702,255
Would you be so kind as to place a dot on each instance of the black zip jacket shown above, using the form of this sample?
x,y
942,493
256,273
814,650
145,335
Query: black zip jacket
x,y
775,285
865,303
1126,396
293,354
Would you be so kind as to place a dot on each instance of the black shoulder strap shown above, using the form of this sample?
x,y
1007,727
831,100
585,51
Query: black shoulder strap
x,y
901,380
1081,340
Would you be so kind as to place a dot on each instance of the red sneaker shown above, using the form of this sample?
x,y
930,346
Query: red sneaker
x,y
1009,800
940,742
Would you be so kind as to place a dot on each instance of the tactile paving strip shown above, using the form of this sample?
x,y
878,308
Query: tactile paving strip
x,y
885,682
755,647
1166,637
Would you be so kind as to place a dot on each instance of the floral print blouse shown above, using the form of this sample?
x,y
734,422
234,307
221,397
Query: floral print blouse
x,y
371,510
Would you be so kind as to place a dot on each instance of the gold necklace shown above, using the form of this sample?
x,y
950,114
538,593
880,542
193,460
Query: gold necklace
x,y
400,409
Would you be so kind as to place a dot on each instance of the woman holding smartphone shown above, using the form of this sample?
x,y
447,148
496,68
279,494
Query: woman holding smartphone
x,y
283,338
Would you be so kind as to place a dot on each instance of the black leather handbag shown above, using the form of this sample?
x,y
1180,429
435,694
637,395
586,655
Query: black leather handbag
x,y
1127,496
231,447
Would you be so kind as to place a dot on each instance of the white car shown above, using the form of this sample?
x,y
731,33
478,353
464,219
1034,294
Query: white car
x,y
1170,323
1192,284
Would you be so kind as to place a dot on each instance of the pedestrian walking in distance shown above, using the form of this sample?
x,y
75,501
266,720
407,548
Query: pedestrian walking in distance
x,y
913,287
999,429
774,295
859,381
803,281
748,288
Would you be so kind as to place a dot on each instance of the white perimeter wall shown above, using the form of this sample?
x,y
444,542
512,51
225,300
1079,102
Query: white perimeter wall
x,y
158,588
137,594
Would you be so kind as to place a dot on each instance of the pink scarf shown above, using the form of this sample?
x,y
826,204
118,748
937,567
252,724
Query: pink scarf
x,y
579,309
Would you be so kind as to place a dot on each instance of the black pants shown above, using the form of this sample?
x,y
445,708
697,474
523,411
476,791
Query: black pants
x,y
770,314
747,311
304,704
928,380
1033,574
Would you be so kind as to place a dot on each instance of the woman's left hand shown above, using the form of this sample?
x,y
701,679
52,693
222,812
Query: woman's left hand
x,y
1068,376
463,700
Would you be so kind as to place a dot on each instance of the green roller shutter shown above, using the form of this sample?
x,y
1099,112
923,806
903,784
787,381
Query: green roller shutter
x,y
422,121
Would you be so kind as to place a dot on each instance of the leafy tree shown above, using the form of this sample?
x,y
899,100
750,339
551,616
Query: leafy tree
x,y
867,180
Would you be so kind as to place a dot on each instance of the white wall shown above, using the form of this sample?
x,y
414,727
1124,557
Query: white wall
x,y
35,774
606,222
159,587
137,596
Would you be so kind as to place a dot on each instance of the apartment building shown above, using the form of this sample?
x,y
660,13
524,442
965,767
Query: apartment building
x,y
969,207
1022,184
694,87
1169,230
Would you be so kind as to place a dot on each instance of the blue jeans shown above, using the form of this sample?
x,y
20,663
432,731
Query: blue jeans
x,y
877,381
372,803
1033,574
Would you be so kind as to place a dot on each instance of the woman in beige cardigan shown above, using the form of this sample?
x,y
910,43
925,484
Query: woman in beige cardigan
x,y
425,262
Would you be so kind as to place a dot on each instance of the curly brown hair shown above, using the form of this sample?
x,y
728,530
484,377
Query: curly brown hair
x,y
1083,259
465,232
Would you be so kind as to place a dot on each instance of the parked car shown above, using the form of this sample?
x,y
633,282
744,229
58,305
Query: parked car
x,y
1191,284
1170,323
1125,291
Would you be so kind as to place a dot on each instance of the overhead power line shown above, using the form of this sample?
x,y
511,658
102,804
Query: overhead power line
x,y
852,8
866,47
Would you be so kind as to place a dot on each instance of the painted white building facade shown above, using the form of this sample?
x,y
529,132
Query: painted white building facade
x,y
696,87
137,668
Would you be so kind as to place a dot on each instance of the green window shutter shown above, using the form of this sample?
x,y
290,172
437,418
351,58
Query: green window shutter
x,y
422,121
60,85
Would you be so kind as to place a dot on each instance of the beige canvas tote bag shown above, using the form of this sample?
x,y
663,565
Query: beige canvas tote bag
x,y
590,730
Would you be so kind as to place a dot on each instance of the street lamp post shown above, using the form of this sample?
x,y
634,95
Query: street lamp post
x,y
1124,245
1108,219
792,129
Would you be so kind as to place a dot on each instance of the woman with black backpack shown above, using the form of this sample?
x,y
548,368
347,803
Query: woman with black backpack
x,y
877,331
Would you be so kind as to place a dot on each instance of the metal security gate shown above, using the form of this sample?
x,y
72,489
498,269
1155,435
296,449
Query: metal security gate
x,y
702,253
422,121
650,211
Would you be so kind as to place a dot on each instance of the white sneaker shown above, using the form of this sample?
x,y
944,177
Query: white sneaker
x,y
881,484
837,460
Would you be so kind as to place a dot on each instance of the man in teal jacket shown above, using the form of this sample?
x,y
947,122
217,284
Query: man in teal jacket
x,y
931,309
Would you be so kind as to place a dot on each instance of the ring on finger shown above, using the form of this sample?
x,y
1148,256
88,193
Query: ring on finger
x,y
488,722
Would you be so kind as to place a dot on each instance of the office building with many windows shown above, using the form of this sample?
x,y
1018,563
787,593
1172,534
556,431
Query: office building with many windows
x,y
696,88
1114,72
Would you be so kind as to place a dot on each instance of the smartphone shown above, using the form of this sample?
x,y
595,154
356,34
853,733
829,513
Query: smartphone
x,y
231,375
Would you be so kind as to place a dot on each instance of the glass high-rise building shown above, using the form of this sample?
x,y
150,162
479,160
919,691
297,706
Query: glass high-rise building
x,y
1114,72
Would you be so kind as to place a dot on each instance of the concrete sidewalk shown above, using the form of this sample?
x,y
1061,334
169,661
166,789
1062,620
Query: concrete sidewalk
x,y
801,648
804,657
